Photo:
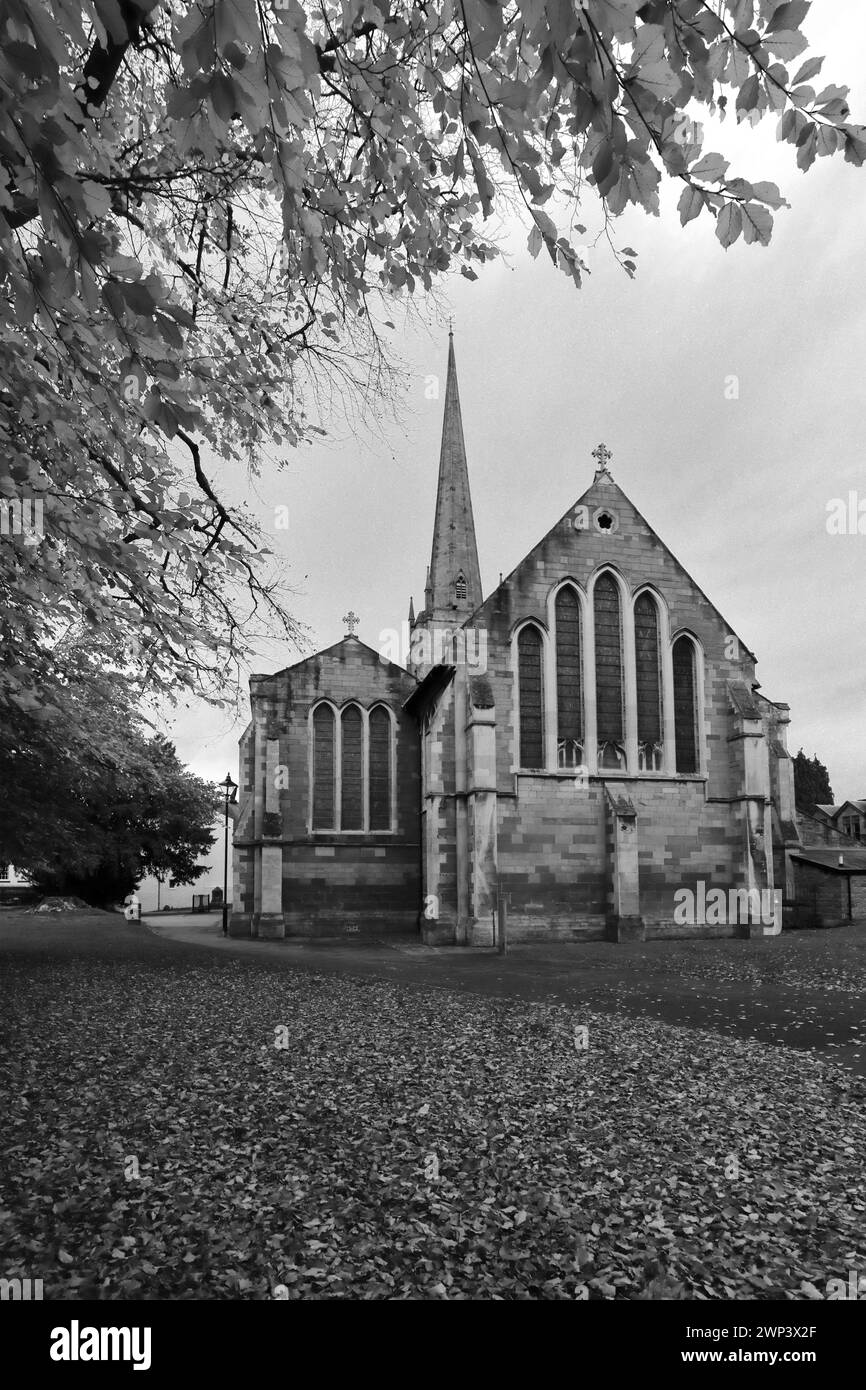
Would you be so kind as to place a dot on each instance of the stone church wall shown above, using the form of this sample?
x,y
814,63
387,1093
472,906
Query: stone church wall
x,y
641,558
552,859
333,883
578,857
684,840
438,892
554,855
440,885
346,890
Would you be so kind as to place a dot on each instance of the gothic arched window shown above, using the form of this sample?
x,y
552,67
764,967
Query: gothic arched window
x,y
352,770
529,660
648,673
569,703
366,798
460,589
685,704
323,768
380,769
608,673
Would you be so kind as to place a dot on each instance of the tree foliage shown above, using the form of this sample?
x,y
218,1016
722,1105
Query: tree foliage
x,y
206,207
91,802
811,783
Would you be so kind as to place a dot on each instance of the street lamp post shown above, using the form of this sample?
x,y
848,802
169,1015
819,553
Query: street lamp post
x,y
229,788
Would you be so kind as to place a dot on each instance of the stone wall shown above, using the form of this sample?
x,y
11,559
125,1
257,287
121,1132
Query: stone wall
x,y
556,862
683,840
640,558
329,883
818,832
555,858
367,889
822,896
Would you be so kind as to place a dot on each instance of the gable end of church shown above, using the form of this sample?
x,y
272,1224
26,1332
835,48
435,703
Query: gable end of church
x,y
589,744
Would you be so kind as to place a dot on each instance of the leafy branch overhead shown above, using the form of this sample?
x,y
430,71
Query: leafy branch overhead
x,y
205,208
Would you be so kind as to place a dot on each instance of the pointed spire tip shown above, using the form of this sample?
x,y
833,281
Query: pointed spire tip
x,y
453,579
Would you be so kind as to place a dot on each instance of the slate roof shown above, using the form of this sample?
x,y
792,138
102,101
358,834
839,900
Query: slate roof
x,y
853,860
833,811
743,700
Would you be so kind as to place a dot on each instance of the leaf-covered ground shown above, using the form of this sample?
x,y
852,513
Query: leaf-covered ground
x,y
801,989
825,959
404,1143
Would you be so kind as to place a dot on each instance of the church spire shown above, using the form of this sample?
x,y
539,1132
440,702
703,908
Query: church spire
x,y
455,579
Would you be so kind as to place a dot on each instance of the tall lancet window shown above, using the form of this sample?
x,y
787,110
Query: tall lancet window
x,y
460,589
352,770
685,704
529,658
323,768
608,674
380,769
569,703
648,671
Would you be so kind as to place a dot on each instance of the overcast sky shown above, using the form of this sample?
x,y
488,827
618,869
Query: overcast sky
x,y
738,489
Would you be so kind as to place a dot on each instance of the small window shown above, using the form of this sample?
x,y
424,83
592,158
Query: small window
x,y
569,673
609,674
365,766
605,521
611,755
685,706
529,663
460,589
648,679
352,770
323,768
380,769
649,757
569,753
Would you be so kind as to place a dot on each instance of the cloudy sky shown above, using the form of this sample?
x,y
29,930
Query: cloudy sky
x,y
737,488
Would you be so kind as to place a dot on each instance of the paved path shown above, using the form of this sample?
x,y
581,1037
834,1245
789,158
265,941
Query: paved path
x,y
630,979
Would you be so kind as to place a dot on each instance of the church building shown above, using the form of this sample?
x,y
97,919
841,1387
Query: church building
x,y
588,743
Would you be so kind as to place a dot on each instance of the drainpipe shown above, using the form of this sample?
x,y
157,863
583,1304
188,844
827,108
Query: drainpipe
x,y
850,910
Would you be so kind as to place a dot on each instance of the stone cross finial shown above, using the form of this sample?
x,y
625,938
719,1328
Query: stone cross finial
x,y
601,454
351,621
